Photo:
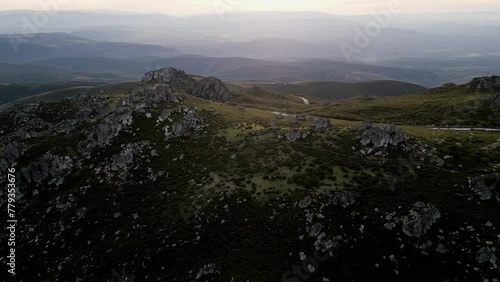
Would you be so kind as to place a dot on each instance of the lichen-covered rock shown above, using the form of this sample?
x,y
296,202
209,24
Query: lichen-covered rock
x,y
420,219
210,89
165,114
322,123
486,254
485,83
293,135
167,76
48,166
486,186
304,203
104,132
12,152
382,136
190,125
149,94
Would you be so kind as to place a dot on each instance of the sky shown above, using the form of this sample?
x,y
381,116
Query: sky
x,y
195,7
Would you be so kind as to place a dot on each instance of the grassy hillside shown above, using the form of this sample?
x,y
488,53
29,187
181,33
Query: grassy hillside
x,y
339,90
32,73
456,105
12,92
231,196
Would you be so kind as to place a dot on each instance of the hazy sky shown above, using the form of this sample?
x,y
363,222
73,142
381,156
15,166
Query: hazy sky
x,y
189,7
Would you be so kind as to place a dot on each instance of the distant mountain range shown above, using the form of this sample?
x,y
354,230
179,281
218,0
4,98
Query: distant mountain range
x,y
424,49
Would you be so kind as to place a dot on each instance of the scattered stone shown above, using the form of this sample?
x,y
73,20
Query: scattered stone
x,y
420,220
322,123
293,135
486,254
486,186
305,202
300,117
383,136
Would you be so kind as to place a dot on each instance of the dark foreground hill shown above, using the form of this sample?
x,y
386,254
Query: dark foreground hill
x,y
150,183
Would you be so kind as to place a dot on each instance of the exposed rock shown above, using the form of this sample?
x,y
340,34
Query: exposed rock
x,y
304,203
211,89
293,135
485,83
421,218
382,136
315,229
83,114
190,125
121,160
22,134
12,152
48,165
208,269
165,114
107,130
442,249
167,76
489,105
322,123
486,186
486,254
149,94
279,116
300,117
343,199
492,147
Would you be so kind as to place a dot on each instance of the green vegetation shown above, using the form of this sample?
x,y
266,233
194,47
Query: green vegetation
x,y
230,195
343,90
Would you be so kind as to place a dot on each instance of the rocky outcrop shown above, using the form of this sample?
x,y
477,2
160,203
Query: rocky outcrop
x,y
420,219
343,199
210,89
152,93
322,123
382,136
122,160
167,76
486,254
491,83
293,135
165,115
12,152
104,132
489,105
486,186
208,269
48,166
191,124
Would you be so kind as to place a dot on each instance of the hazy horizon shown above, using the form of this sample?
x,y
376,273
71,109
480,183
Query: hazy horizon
x,y
207,7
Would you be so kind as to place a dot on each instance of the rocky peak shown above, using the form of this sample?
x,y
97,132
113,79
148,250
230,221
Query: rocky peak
x,y
167,76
